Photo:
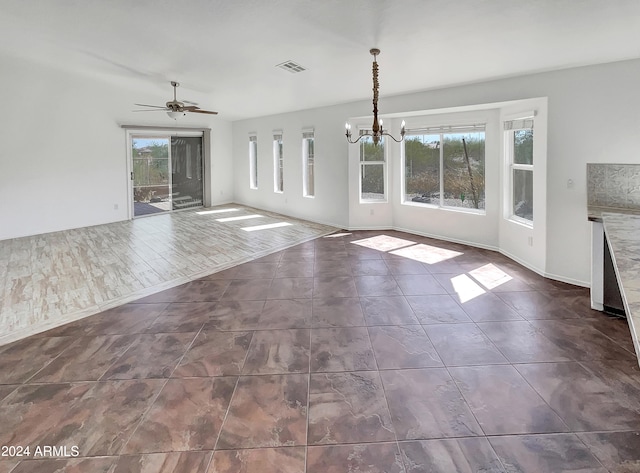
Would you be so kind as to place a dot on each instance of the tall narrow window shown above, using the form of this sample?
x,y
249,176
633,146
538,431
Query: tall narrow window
x,y
519,154
444,166
278,162
253,161
372,170
308,161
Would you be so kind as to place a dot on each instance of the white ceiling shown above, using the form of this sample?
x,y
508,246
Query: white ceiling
x,y
224,51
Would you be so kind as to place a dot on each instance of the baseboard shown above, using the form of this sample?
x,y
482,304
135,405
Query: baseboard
x,y
451,240
292,215
370,228
575,282
222,202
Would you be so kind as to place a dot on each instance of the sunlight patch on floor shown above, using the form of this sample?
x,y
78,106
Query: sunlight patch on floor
x,y
383,243
219,211
490,276
466,288
242,217
426,253
337,235
267,226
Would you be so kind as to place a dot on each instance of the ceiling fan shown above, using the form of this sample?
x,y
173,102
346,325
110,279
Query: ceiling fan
x,y
174,108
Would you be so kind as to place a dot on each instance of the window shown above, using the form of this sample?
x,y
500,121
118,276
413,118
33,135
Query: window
x,y
372,170
278,164
253,161
444,166
519,155
308,160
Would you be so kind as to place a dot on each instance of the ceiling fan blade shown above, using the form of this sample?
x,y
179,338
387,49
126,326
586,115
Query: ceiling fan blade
x,y
203,111
190,102
154,110
145,105
190,108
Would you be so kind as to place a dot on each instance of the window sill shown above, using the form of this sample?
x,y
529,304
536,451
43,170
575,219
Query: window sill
x,y
380,201
521,221
447,209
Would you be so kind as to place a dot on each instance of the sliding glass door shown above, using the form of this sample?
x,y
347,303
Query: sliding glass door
x,y
186,172
167,173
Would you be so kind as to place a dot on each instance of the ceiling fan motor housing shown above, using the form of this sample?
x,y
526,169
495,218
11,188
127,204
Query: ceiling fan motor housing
x,y
175,105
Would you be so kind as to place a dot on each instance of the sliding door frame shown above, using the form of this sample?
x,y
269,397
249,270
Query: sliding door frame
x,y
168,132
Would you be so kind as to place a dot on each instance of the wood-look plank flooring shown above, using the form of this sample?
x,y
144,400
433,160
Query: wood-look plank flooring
x,y
50,279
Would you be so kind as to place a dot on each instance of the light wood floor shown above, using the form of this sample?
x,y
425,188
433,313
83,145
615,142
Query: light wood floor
x,y
47,280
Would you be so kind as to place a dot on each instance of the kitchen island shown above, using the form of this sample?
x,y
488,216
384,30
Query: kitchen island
x,y
620,228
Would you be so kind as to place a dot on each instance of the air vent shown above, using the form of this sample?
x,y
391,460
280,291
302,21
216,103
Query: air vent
x,y
291,67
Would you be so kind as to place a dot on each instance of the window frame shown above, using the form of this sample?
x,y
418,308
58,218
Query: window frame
x,y
511,166
361,168
278,163
253,161
441,130
308,163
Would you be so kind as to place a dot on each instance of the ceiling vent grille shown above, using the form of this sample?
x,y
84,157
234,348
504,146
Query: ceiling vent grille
x,y
291,67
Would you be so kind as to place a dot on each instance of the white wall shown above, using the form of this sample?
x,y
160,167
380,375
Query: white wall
x,y
330,204
63,152
593,116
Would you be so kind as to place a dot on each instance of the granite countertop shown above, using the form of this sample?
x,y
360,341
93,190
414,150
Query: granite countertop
x,y
595,213
623,236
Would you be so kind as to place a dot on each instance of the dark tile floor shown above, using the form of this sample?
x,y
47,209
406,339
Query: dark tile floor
x,y
362,352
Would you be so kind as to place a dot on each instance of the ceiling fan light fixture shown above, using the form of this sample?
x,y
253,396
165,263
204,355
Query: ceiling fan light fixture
x,y
176,115
175,109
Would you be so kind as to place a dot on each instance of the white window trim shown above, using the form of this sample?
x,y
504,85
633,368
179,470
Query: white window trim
x,y
526,122
361,165
305,161
278,172
253,161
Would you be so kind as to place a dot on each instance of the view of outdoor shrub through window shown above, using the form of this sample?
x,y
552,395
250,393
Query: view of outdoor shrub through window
x,y
523,173
445,169
371,169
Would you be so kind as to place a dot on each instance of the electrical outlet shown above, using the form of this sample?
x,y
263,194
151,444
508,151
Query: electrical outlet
x,y
570,184
530,240
115,206
371,212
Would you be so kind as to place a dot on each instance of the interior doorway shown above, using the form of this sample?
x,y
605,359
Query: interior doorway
x,y
166,172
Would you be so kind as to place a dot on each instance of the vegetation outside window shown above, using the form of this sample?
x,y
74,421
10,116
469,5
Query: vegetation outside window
x,y
308,164
278,164
444,166
253,161
519,153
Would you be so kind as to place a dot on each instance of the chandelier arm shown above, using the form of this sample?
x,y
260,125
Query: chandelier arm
x,y
359,138
394,138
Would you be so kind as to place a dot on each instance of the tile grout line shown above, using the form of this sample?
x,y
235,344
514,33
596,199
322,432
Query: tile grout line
x,y
152,403
386,399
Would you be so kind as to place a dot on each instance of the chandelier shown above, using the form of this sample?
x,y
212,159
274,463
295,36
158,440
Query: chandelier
x,y
377,132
